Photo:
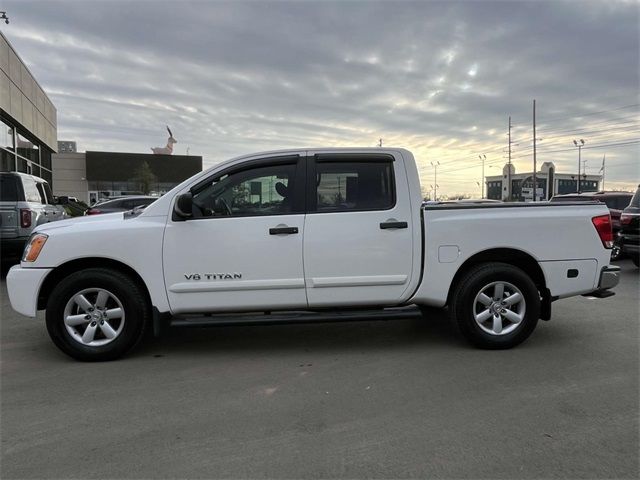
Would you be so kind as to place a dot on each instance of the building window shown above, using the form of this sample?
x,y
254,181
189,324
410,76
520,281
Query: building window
x,y
7,161
6,136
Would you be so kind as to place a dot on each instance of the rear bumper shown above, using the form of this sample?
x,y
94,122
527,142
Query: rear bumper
x,y
23,285
609,277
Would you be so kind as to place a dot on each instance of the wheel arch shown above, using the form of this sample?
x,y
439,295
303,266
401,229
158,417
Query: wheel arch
x,y
72,266
510,256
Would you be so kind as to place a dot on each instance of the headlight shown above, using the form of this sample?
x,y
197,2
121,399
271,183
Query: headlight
x,y
34,247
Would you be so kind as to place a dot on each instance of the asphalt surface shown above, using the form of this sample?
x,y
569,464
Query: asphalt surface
x,y
392,399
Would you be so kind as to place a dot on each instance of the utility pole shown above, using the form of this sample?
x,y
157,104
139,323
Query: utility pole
x,y
509,172
602,169
535,163
482,157
435,179
579,145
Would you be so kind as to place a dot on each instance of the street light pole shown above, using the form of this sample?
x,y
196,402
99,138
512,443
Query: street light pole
x,y
435,179
579,145
482,157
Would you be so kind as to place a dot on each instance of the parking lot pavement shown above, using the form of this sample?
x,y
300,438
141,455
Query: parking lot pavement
x,y
392,399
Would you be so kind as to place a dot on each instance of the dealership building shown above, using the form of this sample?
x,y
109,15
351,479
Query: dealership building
x,y
28,123
519,186
95,176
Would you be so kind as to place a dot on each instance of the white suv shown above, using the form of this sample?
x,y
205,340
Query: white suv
x,y
26,201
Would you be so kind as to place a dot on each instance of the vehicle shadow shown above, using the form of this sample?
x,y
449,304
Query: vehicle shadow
x,y
5,265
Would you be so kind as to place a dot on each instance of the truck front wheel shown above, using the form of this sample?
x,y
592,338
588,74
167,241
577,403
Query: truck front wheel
x,y
97,314
496,306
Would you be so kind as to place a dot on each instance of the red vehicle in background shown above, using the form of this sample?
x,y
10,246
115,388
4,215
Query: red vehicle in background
x,y
616,201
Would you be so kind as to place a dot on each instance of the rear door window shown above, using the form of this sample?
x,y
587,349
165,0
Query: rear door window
x,y
351,186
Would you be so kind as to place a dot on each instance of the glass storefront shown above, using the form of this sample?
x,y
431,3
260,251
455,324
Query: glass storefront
x,y
19,154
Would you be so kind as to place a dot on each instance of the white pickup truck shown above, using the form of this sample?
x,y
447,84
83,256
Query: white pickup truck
x,y
304,236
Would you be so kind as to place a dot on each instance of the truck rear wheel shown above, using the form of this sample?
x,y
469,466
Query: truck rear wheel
x,y
97,314
496,306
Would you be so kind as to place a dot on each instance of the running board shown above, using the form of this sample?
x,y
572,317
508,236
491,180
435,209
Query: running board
x,y
280,318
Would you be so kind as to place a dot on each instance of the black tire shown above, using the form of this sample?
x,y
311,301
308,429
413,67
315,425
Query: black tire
x,y
130,294
473,282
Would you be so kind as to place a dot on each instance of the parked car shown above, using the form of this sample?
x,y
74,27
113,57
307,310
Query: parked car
x,y
319,231
628,239
616,201
120,204
26,202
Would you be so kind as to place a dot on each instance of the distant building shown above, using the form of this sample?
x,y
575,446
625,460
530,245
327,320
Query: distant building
x,y
549,183
65,146
28,124
95,176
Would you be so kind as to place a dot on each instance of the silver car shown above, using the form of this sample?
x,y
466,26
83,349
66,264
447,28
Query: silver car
x,y
25,202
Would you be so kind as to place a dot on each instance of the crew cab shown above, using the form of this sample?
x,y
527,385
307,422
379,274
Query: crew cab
x,y
307,235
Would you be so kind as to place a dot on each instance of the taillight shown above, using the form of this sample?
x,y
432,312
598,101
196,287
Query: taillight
x,y
25,218
93,211
603,227
625,219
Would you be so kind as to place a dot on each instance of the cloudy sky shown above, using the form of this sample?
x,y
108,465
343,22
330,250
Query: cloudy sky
x,y
439,78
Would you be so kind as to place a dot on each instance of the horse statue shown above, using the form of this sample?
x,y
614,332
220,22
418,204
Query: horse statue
x,y
168,149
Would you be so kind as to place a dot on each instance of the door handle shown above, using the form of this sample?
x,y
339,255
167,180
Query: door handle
x,y
283,230
393,224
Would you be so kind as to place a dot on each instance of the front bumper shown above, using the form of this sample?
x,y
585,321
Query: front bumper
x,y
23,285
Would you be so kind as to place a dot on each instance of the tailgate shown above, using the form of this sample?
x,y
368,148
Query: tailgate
x,y
9,217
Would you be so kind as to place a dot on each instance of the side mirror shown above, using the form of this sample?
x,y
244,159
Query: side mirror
x,y
184,205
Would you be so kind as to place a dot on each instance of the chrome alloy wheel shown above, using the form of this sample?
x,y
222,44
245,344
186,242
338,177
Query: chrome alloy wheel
x,y
499,308
94,317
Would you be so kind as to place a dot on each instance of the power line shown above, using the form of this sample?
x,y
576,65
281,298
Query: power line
x,y
592,113
616,144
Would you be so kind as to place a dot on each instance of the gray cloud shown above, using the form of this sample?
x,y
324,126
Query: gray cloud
x,y
439,78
